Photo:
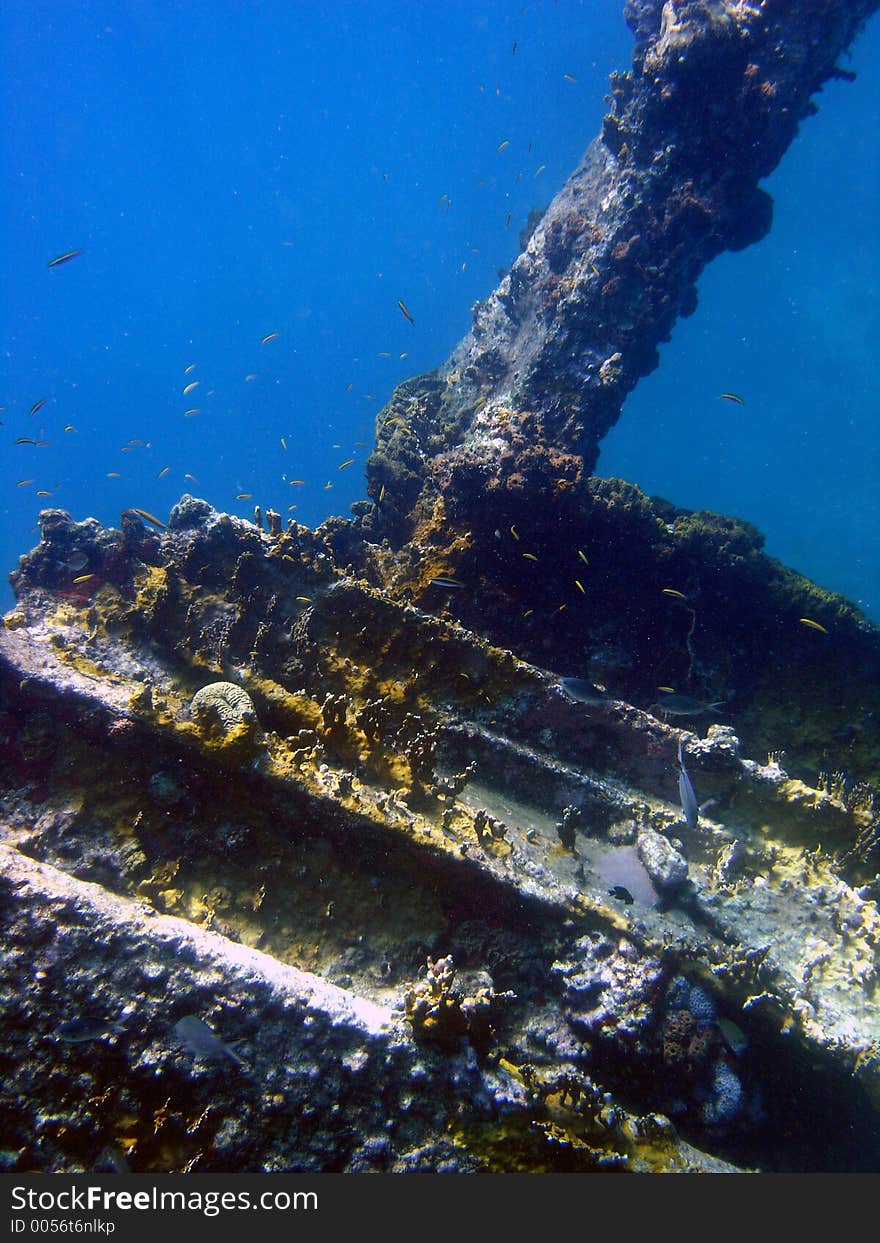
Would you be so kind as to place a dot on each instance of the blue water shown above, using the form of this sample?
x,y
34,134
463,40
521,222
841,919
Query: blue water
x,y
233,170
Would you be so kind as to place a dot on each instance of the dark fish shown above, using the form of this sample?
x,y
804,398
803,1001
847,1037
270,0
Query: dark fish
x,y
200,1040
686,705
734,397
404,310
622,894
583,691
38,405
77,1031
689,805
69,254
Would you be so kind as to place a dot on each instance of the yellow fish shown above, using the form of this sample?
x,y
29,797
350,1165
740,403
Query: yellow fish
x,y
347,462
676,595
142,513
813,625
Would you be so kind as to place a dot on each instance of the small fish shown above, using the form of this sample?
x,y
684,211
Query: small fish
x,y
676,595
191,478
448,583
502,145
734,397
188,370
812,625
530,556
583,691
405,354
507,221
243,496
142,513
384,354
189,387
596,271
283,444
689,805
59,259
686,705
76,1031
349,386
404,310
270,336
304,599
569,77
188,414
43,492
539,170
327,485
580,586
200,1040
667,690
251,375
24,440
69,427
734,1037
297,483
163,472
82,578
582,557
622,894
347,462
38,405
382,494
514,532
23,483
515,46
562,608
113,474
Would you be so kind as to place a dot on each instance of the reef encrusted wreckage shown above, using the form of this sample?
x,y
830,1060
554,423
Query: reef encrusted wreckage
x,y
390,811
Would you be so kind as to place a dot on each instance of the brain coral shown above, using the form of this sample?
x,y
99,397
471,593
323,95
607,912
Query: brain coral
x,y
224,704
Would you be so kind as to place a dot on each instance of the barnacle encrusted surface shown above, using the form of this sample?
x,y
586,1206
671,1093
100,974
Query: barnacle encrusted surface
x,y
450,916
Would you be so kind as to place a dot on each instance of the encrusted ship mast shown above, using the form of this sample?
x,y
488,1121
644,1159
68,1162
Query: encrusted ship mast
x,y
324,795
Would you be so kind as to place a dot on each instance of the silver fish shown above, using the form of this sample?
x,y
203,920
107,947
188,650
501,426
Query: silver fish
x,y
200,1040
583,691
686,705
77,1031
689,805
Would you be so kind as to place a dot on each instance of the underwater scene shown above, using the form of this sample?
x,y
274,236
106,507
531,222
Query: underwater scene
x,y
440,664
